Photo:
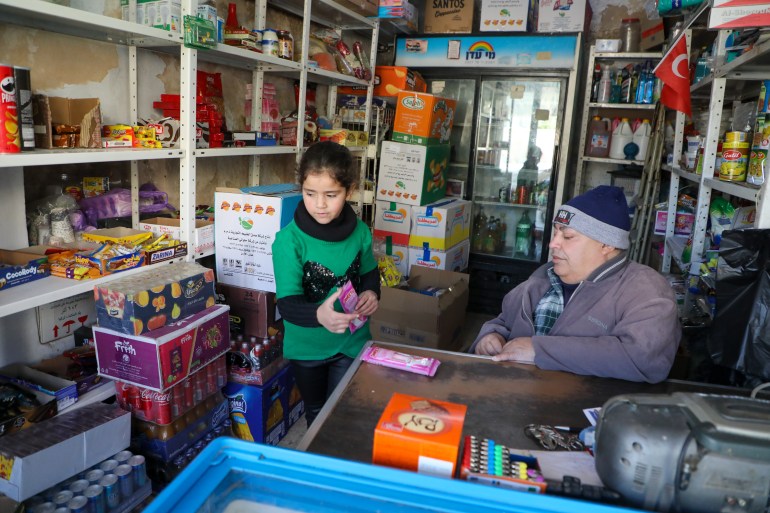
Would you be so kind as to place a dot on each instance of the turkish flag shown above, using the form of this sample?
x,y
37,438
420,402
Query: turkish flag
x,y
674,72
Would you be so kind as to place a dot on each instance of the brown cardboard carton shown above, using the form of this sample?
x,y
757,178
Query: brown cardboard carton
x,y
50,111
408,317
652,35
448,16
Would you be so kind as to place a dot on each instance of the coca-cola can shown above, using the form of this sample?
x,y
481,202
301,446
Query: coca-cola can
x,y
211,378
10,132
134,398
187,388
163,408
146,402
177,402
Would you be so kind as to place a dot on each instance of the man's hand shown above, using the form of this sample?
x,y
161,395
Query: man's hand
x,y
336,322
490,344
367,303
519,349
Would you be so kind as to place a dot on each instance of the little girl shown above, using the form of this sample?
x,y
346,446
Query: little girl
x,y
322,248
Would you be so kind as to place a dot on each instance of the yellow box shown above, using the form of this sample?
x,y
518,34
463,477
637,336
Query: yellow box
x,y
423,118
419,434
119,234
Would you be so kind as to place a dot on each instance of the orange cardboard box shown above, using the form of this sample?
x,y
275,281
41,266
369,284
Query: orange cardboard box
x,y
419,434
423,118
389,81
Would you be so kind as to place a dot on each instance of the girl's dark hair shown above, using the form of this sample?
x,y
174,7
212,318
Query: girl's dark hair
x,y
332,158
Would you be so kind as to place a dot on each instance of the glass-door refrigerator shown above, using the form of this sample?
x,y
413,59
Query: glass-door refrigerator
x,y
509,142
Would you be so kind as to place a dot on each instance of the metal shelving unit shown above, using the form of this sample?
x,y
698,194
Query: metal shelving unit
x,y
49,17
585,176
735,80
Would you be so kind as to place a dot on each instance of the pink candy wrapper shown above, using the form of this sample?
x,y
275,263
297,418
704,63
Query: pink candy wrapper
x,y
403,361
349,299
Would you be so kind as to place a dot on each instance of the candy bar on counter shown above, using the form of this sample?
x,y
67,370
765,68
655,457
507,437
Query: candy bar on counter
x,y
403,361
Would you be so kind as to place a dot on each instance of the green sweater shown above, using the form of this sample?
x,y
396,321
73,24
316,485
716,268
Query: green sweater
x,y
297,254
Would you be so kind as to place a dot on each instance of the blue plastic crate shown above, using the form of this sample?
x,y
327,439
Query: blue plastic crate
x,y
233,476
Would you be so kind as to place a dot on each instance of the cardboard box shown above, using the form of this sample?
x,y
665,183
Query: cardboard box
x,y
653,35
408,317
412,174
46,454
119,234
563,16
419,434
255,309
150,300
164,254
62,390
44,409
111,265
404,15
163,357
203,236
22,268
740,16
247,221
362,7
423,118
253,376
507,15
393,220
454,17
441,225
52,110
295,405
66,368
682,226
454,258
389,81
258,413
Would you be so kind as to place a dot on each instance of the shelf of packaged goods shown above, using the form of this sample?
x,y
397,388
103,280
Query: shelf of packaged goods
x,y
750,65
627,106
737,189
613,161
681,173
243,58
325,77
507,205
327,13
245,151
50,17
60,156
52,288
693,19
631,56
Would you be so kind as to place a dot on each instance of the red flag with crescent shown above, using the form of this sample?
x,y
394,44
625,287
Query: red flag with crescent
x,y
674,72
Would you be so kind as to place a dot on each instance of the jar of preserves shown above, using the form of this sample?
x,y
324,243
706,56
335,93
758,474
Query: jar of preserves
x,y
285,45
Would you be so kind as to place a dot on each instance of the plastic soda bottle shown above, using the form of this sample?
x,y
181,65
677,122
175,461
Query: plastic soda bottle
x,y
523,235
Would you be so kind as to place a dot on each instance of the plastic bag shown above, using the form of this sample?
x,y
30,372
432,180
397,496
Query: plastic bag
x,y
740,333
117,203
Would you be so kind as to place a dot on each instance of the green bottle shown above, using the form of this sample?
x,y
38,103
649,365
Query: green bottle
x,y
523,235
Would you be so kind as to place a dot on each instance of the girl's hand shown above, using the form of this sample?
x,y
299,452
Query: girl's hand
x,y
336,322
367,303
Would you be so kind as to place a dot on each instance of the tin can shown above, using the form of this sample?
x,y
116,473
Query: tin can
x,y
78,504
10,134
95,496
93,476
62,498
139,470
733,137
46,507
79,486
735,158
24,107
125,481
122,456
111,491
108,466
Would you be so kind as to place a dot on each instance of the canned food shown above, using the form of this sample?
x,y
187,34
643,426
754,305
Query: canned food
x,y
270,42
735,158
79,504
122,456
93,476
24,107
138,469
735,137
108,466
62,498
111,491
46,507
10,134
125,481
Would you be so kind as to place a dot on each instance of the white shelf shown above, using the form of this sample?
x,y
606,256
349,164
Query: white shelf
x,y
613,161
692,177
48,16
507,205
626,106
631,56
247,59
246,150
327,13
737,189
322,76
52,288
82,156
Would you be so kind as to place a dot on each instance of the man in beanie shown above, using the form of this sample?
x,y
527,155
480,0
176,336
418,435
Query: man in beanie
x,y
590,310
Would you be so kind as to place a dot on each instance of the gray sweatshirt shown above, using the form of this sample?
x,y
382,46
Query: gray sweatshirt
x,y
621,322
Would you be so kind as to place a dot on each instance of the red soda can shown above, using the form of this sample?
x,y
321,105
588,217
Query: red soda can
x,y
211,378
163,408
121,390
10,134
177,402
187,389
146,403
134,398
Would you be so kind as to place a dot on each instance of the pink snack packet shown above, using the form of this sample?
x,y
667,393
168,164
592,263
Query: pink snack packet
x,y
349,299
403,361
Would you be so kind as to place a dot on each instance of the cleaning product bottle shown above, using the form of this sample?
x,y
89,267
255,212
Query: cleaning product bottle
x,y
598,138
642,138
621,136
605,86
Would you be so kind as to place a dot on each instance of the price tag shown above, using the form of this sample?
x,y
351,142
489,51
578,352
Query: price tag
x,y
517,92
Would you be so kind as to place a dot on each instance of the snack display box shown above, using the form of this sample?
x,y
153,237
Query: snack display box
x,y
234,476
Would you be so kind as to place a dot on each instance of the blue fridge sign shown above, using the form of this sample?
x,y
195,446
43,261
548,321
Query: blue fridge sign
x,y
487,51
